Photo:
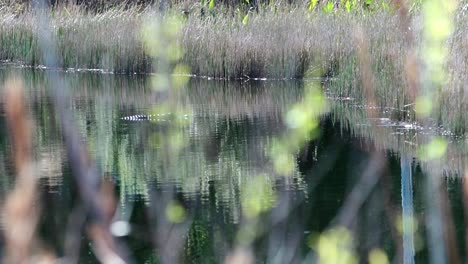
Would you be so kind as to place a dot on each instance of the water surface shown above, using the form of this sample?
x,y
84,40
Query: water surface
x,y
207,145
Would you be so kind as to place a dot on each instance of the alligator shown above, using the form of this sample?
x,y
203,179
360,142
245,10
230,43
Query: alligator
x,y
152,117
138,117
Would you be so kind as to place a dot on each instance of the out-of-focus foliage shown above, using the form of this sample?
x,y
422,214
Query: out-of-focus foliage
x,y
438,27
161,38
378,256
257,197
175,213
435,149
334,246
303,122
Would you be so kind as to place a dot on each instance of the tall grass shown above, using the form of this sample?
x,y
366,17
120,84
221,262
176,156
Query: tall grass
x,y
276,42
108,40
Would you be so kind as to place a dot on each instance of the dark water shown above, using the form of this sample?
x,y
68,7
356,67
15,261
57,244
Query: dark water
x,y
207,149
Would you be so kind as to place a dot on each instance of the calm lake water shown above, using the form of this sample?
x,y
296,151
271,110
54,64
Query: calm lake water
x,y
208,145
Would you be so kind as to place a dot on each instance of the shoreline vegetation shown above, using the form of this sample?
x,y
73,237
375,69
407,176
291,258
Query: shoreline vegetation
x,y
272,41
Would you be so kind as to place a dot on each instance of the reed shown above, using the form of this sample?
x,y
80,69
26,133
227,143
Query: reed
x,y
108,40
275,42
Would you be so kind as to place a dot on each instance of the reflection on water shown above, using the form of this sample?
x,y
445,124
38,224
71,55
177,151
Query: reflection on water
x,y
408,209
400,136
219,147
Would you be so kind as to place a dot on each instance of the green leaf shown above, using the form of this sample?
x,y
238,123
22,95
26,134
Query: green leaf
x,y
348,6
212,4
384,6
435,149
203,2
312,5
329,8
246,19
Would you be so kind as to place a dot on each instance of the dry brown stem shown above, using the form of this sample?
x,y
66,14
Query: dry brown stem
x,y
21,211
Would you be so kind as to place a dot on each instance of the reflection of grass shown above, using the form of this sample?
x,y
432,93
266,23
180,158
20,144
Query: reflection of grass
x,y
222,153
237,99
132,172
356,119
99,102
192,170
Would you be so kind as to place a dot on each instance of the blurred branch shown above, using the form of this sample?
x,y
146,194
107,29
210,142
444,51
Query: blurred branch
x,y
85,172
465,207
167,236
357,197
392,213
75,224
21,212
449,228
377,163
412,64
367,76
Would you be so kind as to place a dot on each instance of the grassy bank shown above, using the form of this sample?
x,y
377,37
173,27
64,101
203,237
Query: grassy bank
x,y
281,44
276,42
109,40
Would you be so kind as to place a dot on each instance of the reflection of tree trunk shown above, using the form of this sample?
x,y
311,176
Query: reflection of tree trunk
x,y
408,210
434,219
